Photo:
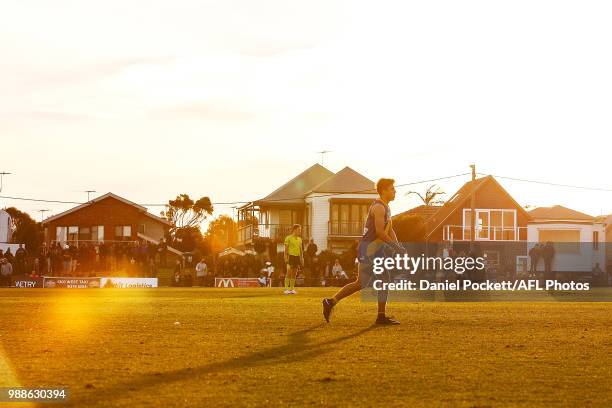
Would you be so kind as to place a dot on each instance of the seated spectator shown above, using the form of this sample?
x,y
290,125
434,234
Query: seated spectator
x,y
338,272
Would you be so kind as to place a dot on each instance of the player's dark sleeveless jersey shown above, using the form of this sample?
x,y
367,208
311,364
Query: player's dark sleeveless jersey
x,y
369,245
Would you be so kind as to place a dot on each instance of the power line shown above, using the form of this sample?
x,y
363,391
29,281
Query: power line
x,y
242,202
548,183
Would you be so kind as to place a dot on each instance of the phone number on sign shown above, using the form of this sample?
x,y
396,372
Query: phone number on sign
x,y
33,394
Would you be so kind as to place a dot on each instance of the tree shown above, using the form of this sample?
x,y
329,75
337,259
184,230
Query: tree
x,y
183,212
431,196
222,232
27,231
187,239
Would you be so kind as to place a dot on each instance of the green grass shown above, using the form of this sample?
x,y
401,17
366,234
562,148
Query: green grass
x,y
238,347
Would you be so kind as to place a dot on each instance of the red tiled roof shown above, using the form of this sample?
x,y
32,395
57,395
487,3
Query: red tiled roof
x,y
558,212
425,211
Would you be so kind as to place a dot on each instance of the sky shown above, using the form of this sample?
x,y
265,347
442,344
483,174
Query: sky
x,y
230,99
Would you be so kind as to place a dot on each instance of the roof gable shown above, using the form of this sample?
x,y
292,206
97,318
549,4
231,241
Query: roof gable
x,y
296,189
139,207
346,180
558,212
459,199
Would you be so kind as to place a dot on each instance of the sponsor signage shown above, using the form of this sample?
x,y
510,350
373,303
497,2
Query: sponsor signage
x,y
124,283
237,283
29,283
71,283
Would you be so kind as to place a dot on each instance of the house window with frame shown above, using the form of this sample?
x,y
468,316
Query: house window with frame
x,y
73,233
348,219
491,224
61,234
97,233
123,232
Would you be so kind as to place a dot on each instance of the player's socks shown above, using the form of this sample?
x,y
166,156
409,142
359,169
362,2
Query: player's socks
x,y
286,283
291,284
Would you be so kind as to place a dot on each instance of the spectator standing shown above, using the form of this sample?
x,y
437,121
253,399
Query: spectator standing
x,y
6,272
20,260
534,257
311,251
201,272
178,278
548,254
162,250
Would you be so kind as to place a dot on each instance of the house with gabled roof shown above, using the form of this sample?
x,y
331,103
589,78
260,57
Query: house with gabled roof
x,y
498,217
331,207
500,226
108,218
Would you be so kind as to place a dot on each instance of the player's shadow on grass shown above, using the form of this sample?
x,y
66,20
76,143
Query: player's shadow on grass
x,y
298,348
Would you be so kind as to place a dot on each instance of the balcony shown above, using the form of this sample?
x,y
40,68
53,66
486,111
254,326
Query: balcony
x,y
486,233
346,229
273,232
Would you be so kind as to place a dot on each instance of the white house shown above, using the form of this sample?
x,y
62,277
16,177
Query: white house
x,y
331,207
579,239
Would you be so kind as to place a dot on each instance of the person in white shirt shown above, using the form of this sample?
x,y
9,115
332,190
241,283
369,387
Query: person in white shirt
x,y
270,272
337,272
201,272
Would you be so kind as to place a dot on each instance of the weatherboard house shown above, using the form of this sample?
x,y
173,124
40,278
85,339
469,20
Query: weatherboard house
x,y
331,207
108,218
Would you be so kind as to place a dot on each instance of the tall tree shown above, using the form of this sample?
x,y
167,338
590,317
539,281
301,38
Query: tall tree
x,y
222,232
432,195
183,212
27,231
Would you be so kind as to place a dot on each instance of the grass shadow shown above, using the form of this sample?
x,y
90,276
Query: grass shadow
x,y
298,348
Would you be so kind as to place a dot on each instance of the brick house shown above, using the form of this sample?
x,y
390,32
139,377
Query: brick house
x,y
500,230
108,218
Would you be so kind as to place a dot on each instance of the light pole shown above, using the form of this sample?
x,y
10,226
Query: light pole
x,y
88,193
323,153
2,174
42,214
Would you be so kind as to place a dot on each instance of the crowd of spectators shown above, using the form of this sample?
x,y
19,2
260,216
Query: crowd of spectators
x,y
129,259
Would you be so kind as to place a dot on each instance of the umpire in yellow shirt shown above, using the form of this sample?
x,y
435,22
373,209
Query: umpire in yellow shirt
x,y
294,257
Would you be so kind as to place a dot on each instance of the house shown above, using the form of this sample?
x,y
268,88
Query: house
x,y
579,239
107,218
500,229
6,227
607,221
423,211
331,207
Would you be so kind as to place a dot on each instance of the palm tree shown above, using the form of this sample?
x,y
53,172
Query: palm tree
x,y
431,196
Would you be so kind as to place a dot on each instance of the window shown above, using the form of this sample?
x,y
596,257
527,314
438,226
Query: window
x,y
123,232
348,219
491,224
595,240
61,234
73,233
142,228
97,233
84,234
492,257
